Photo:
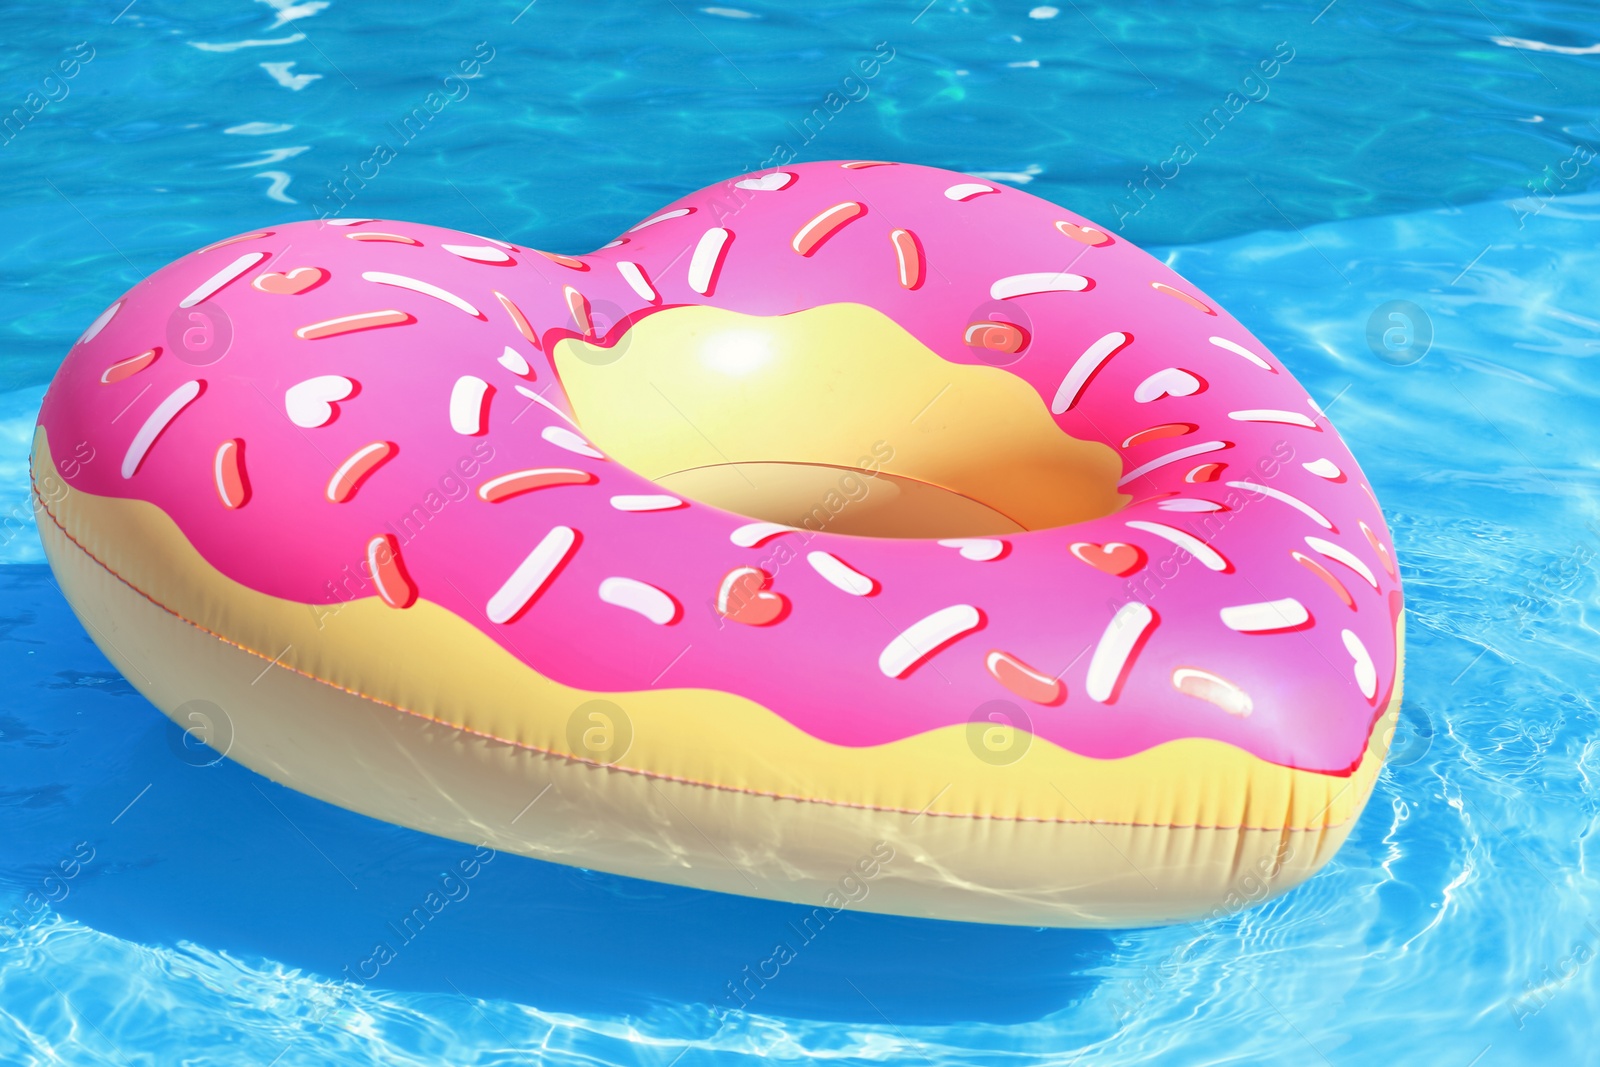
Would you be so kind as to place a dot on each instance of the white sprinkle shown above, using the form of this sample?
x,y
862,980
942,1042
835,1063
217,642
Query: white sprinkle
x,y
1047,282
1189,504
348,222
478,253
1072,385
400,281
1366,673
1291,418
99,323
1345,556
967,190
646,502
212,285
1240,350
467,405
1210,557
618,243
839,574
164,413
1171,457
1116,645
925,636
309,404
767,183
663,217
635,595
707,258
633,274
1294,502
1170,382
1268,615
752,534
562,437
1324,468
980,549
538,398
530,575
493,240
515,362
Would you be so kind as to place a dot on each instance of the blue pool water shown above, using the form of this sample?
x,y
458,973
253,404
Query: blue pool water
x,y
211,916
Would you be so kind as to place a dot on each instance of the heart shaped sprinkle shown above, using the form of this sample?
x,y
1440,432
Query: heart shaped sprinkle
x,y
293,283
743,597
310,403
767,183
1169,382
1114,557
1085,234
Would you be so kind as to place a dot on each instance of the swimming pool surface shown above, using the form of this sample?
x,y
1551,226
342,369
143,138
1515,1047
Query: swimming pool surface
x,y
1436,154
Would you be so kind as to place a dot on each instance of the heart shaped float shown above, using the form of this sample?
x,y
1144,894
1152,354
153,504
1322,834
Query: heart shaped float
x,y
752,546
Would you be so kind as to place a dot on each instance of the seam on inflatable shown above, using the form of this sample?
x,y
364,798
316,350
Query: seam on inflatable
x,y
651,775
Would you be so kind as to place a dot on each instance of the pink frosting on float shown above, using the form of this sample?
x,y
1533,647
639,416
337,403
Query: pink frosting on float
x,y
1292,601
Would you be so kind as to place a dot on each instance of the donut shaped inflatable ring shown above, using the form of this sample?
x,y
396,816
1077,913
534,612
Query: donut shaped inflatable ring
x,y
854,534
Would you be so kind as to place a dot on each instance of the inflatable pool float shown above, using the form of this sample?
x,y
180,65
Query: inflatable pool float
x,y
853,534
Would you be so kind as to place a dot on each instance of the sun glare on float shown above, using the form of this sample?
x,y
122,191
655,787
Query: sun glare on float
x,y
737,353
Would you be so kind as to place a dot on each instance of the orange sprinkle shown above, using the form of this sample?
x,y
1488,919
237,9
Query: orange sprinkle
x,y
579,306
908,250
516,483
1185,297
517,317
1156,433
236,240
863,164
1023,680
389,573
366,320
809,237
392,238
1327,576
565,261
127,368
1084,234
228,467
1380,548
354,470
742,596
996,336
